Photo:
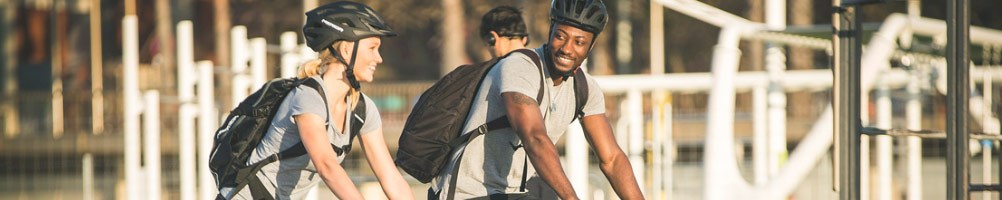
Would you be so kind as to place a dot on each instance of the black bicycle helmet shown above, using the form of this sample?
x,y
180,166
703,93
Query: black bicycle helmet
x,y
589,15
342,20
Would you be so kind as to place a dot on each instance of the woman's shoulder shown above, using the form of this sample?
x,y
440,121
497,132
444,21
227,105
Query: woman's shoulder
x,y
311,86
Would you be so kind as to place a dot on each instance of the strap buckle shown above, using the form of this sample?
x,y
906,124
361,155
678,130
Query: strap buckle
x,y
482,129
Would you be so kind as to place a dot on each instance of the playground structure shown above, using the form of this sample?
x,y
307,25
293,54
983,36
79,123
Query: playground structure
x,y
646,136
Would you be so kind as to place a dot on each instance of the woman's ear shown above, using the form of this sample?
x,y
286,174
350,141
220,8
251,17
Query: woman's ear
x,y
345,50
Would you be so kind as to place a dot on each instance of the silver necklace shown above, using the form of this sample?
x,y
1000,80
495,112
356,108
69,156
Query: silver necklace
x,y
553,102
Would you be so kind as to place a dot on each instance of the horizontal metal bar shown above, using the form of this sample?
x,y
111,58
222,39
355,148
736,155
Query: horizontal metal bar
x,y
934,134
985,188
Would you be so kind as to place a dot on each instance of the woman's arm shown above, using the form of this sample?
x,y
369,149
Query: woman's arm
x,y
318,147
394,185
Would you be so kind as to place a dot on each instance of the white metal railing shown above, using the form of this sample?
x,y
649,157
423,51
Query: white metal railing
x,y
147,173
719,149
197,107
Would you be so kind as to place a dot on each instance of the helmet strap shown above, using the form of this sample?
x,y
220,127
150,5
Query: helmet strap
x,y
323,69
349,71
349,66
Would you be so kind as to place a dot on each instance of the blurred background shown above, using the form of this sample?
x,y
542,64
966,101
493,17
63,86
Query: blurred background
x,y
117,99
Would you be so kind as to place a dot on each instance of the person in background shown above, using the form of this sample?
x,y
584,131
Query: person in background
x,y
504,30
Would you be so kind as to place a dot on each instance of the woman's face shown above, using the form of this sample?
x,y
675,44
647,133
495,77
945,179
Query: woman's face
x,y
368,58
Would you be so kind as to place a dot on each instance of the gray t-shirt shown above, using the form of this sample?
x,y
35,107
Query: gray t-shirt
x,y
493,163
293,177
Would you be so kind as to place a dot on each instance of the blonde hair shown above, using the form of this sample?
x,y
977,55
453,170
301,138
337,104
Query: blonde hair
x,y
317,67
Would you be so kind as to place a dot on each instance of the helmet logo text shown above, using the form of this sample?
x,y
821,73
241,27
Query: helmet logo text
x,y
332,25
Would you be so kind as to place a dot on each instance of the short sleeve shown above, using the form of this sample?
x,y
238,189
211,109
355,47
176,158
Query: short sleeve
x,y
596,99
306,100
518,73
372,119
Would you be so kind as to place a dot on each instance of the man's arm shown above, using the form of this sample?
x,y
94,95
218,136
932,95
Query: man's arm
x,y
614,162
526,119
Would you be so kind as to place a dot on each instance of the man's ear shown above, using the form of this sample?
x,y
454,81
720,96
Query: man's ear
x,y
493,39
525,40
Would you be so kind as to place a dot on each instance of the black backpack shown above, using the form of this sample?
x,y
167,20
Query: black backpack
x,y
247,124
433,127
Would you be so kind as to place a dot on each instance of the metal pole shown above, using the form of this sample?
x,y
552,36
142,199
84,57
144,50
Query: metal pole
x,y
995,58
760,137
133,105
658,97
453,45
305,51
719,150
636,135
884,156
164,22
290,59
96,69
221,30
187,77
775,63
668,147
957,138
151,144
624,37
988,127
207,122
914,117
58,30
576,147
8,58
258,65
846,61
88,176
239,59
865,141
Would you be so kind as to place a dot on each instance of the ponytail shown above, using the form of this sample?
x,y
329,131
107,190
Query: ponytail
x,y
318,66
353,98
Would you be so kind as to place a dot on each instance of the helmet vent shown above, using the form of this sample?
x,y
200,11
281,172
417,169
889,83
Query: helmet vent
x,y
578,6
591,13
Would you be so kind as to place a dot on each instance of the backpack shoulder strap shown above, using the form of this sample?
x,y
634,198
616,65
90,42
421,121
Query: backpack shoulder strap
x,y
298,149
535,60
502,122
499,123
358,119
580,92
313,83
